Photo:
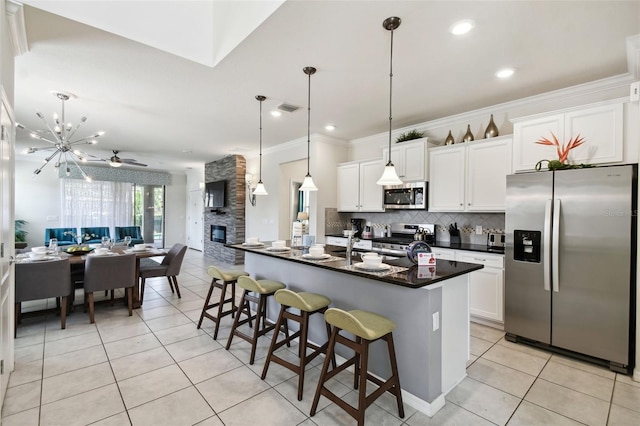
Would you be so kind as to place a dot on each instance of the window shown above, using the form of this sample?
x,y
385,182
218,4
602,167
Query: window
x,y
98,203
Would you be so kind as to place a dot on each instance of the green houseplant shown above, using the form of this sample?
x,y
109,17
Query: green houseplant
x,y
21,234
410,135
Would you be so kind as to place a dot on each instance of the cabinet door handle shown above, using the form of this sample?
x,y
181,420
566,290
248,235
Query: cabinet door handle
x,y
479,259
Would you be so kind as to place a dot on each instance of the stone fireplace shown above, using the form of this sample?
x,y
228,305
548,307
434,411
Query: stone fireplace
x,y
226,225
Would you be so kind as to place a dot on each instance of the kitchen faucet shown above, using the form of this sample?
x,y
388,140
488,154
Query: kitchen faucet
x,y
351,240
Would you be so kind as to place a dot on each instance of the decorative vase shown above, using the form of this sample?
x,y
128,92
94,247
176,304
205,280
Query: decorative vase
x,y
468,137
492,129
449,140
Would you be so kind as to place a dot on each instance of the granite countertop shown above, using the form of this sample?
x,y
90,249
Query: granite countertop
x,y
401,272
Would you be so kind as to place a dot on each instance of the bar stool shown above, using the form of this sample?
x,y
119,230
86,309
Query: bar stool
x,y
367,327
220,279
308,304
263,289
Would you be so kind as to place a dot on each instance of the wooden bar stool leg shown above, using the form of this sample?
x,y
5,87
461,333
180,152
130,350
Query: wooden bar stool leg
x,y
323,372
303,351
362,393
394,372
206,303
220,308
273,341
256,332
243,302
356,368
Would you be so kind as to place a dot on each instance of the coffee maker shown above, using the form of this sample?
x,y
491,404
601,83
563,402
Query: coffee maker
x,y
357,225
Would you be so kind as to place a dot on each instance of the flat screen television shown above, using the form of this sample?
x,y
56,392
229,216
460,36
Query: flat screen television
x,y
214,194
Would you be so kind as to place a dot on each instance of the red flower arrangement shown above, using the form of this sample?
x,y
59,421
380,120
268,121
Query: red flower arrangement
x,y
563,151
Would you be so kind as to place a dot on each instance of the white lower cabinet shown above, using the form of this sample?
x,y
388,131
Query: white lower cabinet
x,y
486,286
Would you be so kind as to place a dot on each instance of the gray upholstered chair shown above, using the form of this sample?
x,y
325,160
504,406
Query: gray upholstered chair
x,y
42,280
108,273
170,268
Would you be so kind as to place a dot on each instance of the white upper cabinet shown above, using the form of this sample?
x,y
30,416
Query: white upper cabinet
x,y
357,188
488,164
410,159
601,126
470,176
447,178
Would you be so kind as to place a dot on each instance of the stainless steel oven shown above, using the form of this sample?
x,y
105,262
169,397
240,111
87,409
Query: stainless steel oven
x,y
411,195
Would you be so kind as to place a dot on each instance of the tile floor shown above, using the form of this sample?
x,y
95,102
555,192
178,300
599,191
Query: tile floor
x,y
156,368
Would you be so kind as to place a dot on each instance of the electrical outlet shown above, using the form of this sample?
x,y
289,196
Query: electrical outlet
x,y
436,321
479,229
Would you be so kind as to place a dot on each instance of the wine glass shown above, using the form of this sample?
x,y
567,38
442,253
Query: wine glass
x,y
105,241
53,245
127,240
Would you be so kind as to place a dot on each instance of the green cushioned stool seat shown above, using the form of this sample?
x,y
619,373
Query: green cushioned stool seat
x,y
220,279
221,275
259,286
367,327
363,324
308,304
304,301
255,291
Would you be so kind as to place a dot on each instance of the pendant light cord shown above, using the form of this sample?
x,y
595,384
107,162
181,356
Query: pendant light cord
x,y
308,124
260,176
390,95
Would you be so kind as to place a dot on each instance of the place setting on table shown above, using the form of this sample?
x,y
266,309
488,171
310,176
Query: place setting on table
x,y
37,254
316,254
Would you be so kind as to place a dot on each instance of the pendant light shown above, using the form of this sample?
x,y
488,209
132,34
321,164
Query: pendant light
x,y
390,177
307,183
260,189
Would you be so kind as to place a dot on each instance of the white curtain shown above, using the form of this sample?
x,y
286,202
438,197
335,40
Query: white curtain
x,y
98,203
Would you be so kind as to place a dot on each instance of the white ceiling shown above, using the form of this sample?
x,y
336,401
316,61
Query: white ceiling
x,y
190,98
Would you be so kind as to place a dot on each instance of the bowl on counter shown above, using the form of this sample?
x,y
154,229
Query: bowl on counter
x,y
372,259
40,249
279,244
316,251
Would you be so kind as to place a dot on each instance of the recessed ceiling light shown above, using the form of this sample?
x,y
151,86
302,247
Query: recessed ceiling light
x,y
330,127
462,27
276,113
505,73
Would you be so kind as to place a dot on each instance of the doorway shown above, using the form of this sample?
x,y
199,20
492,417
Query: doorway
x,y
148,212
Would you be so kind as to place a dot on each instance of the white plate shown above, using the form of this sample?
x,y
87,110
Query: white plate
x,y
40,259
322,256
109,253
253,245
278,248
382,267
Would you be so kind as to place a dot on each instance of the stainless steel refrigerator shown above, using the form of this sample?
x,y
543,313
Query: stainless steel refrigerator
x,y
571,261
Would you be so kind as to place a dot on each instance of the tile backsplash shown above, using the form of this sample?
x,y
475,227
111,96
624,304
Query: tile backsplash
x,y
491,222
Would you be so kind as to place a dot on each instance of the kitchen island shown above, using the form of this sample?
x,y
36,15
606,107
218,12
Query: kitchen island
x,y
430,307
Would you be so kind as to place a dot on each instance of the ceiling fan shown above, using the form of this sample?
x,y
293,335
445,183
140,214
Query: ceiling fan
x,y
116,161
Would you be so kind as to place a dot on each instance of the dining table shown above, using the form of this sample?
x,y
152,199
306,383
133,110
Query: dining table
x,y
79,257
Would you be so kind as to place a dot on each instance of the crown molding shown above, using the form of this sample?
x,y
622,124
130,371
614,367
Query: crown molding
x,y
17,28
590,88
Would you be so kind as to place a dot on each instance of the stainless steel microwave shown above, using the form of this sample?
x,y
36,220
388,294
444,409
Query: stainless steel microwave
x,y
407,196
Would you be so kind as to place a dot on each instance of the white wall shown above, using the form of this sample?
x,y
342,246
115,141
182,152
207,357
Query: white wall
x,y
175,210
36,198
263,221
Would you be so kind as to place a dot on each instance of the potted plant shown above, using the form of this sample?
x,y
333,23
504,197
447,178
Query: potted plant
x,y
21,234
410,135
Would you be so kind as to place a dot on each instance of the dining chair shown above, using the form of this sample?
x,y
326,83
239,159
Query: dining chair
x,y
170,268
131,231
109,273
42,280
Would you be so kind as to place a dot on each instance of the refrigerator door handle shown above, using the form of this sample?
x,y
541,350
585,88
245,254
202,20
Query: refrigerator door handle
x,y
547,245
555,245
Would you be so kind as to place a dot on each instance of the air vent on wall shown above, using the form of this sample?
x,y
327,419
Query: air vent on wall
x,y
287,107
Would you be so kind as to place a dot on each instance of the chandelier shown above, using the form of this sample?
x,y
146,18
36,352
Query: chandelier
x,y
60,137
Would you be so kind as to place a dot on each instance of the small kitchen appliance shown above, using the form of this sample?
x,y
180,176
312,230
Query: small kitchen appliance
x,y
495,240
357,226
408,196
